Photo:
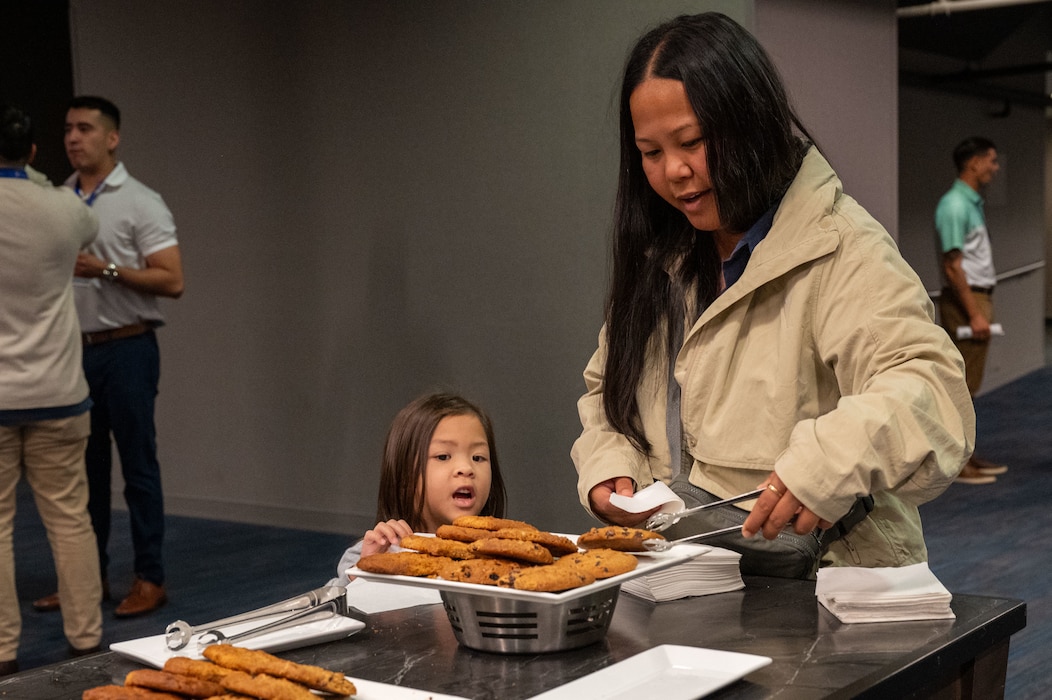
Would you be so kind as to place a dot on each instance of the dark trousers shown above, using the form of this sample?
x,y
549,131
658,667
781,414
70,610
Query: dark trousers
x,y
123,376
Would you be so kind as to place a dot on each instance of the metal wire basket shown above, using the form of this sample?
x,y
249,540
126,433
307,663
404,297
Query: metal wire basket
x,y
515,626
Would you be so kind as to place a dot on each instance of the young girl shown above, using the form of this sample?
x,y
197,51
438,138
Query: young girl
x,y
439,463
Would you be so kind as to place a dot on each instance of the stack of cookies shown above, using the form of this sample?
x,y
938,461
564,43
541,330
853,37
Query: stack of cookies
x,y
513,554
230,672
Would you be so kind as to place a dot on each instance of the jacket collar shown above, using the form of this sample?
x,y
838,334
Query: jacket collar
x,y
803,231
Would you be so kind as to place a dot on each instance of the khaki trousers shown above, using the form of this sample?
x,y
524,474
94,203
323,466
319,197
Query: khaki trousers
x,y
952,315
51,454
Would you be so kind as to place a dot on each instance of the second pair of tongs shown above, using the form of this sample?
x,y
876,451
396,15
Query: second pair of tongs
x,y
663,521
318,604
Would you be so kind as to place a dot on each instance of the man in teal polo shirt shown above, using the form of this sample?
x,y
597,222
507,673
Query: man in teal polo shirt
x,y
968,270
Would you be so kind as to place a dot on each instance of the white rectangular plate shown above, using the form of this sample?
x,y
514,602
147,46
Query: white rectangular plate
x,y
154,651
669,672
370,690
649,562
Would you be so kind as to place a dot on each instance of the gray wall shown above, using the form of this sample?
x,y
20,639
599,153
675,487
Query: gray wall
x,y
845,87
379,198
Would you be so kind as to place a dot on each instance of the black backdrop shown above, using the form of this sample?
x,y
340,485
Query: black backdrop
x,y
36,73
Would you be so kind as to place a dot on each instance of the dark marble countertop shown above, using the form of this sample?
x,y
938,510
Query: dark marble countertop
x,y
814,655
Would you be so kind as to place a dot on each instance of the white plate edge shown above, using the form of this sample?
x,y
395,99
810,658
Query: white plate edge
x,y
661,656
663,560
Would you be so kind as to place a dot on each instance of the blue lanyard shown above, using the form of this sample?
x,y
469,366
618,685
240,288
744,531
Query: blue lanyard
x,y
19,173
91,199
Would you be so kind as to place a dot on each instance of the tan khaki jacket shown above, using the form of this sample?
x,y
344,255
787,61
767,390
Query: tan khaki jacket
x,y
821,363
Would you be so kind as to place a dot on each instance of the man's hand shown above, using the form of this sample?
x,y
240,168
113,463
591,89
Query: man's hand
x,y
980,327
88,265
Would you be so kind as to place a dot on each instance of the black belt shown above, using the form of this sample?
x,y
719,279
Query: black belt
x,y
988,291
115,333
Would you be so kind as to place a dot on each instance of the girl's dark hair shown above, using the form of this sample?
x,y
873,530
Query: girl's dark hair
x,y
752,153
405,459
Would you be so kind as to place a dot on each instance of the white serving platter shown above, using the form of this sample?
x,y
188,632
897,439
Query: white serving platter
x,y
649,562
370,690
669,672
154,650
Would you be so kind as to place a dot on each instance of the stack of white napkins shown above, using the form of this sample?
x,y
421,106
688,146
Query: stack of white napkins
x,y
715,571
884,594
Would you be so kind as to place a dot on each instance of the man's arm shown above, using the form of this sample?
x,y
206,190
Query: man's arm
x,y
162,276
951,266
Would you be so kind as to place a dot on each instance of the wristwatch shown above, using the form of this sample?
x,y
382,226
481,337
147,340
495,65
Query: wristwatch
x,y
110,272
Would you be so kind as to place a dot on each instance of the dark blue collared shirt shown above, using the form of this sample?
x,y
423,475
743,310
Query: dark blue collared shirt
x,y
734,266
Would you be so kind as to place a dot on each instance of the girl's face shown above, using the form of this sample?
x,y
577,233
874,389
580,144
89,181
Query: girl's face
x,y
458,471
673,150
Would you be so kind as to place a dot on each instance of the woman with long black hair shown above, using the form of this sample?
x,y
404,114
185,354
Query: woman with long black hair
x,y
761,327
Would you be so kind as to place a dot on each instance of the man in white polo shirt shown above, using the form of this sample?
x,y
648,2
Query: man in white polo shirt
x,y
134,261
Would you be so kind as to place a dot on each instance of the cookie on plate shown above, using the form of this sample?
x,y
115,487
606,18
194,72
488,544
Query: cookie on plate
x,y
488,522
403,564
550,578
556,544
462,534
486,572
623,539
601,563
438,547
519,550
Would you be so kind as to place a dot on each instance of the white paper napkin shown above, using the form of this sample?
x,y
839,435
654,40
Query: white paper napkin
x,y
888,594
657,494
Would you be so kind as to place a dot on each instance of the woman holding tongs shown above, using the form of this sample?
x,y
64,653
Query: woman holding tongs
x,y
761,328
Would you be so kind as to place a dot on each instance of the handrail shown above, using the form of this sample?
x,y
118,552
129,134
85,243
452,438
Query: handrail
x,y
1014,272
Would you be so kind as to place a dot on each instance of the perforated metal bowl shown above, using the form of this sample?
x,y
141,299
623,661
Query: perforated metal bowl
x,y
515,626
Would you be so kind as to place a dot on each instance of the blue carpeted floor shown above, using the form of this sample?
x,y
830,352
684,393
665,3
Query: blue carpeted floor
x,y
214,569
981,540
991,539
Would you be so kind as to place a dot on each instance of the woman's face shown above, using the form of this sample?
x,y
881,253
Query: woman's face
x,y
458,471
672,146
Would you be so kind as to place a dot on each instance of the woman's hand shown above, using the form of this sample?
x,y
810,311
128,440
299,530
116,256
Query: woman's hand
x,y
777,507
384,535
599,499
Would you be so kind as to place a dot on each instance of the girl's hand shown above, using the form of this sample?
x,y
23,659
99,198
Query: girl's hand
x,y
777,507
381,537
599,499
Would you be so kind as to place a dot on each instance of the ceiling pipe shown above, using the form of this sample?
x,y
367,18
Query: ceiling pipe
x,y
948,6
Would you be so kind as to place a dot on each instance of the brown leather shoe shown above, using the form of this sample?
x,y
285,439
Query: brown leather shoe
x,y
75,653
51,603
971,475
48,603
144,597
985,466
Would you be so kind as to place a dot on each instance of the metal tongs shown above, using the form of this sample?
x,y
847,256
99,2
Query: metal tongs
x,y
662,521
319,604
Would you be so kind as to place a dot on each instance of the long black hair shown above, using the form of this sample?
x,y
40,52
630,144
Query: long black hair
x,y
752,154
